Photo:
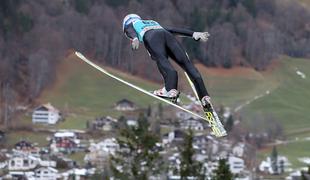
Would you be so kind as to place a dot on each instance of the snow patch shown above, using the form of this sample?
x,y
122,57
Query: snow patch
x,y
307,138
301,74
304,160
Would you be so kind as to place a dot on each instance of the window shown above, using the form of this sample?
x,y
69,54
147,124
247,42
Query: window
x,y
26,162
12,163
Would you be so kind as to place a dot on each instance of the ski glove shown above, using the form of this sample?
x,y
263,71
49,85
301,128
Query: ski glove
x,y
135,43
202,36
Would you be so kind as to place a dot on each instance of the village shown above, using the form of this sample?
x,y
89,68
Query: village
x,y
26,160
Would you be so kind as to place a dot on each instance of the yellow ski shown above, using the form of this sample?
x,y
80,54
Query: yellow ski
x,y
214,122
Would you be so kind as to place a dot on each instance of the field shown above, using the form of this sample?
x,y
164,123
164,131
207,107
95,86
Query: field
x,y
288,103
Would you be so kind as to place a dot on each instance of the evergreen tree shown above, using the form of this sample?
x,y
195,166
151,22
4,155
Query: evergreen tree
x,y
138,156
274,159
221,112
149,111
229,123
190,168
160,111
223,171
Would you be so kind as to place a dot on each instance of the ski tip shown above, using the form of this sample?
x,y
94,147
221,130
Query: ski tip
x,y
81,56
78,54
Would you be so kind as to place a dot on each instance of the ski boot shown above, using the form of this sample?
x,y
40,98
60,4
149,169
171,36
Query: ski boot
x,y
171,95
214,121
206,104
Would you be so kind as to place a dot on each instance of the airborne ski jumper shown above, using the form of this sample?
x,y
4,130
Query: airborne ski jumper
x,y
161,44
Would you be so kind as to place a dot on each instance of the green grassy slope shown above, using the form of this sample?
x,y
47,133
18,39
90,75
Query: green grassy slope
x,y
289,103
85,93
235,86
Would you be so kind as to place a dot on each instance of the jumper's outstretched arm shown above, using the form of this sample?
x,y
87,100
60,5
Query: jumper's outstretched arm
x,y
180,31
202,36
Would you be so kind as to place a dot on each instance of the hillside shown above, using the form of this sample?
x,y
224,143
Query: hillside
x,y
288,102
81,90
84,93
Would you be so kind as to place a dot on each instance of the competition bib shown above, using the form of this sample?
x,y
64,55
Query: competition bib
x,y
142,26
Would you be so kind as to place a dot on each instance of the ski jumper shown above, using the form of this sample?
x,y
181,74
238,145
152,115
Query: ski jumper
x,y
161,44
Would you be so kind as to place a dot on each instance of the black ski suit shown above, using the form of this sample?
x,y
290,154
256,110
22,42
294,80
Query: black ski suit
x,y
161,44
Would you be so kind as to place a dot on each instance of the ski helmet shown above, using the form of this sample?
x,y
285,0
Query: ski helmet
x,y
129,19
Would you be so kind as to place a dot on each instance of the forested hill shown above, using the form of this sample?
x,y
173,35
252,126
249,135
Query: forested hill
x,y
35,35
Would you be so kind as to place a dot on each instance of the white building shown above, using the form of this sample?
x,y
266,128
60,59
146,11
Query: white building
x,y
238,149
132,122
282,164
210,167
66,141
22,162
125,105
191,123
45,113
236,164
46,173
175,135
78,173
108,146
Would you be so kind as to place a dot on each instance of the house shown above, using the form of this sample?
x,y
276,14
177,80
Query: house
x,y
103,123
192,123
108,145
132,122
201,142
99,152
267,167
22,162
45,113
236,164
20,175
125,105
176,135
294,175
3,165
238,149
66,142
25,147
174,163
46,173
77,173
210,167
